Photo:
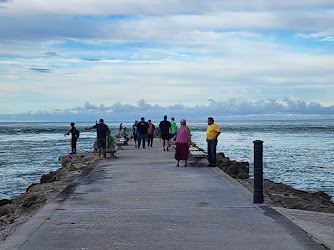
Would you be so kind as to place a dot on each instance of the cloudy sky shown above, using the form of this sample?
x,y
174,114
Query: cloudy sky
x,y
70,58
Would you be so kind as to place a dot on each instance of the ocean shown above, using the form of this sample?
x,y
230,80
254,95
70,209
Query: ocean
x,y
298,153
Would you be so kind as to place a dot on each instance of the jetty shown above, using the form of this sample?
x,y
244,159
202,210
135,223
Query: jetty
x,y
140,200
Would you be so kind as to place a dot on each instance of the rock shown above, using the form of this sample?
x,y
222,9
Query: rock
x,y
72,167
244,166
5,202
29,201
232,170
45,178
34,200
65,159
32,185
226,160
242,175
6,209
220,156
322,195
239,170
223,165
288,197
50,177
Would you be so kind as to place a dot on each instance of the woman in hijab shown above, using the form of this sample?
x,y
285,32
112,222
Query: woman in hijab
x,y
183,140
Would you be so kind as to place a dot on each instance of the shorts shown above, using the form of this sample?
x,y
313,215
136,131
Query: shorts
x,y
173,136
165,136
101,143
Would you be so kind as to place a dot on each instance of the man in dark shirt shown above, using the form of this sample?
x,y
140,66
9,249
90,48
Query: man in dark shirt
x,y
101,131
142,127
74,132
164,130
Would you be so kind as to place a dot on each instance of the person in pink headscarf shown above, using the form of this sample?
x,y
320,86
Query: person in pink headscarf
x,y
183,140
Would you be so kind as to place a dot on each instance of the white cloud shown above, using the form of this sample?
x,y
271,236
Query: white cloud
x,y
133,7
321,36
163,51
56,21
184,79
328,39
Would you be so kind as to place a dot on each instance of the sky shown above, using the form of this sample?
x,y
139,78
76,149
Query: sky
x,y
121,59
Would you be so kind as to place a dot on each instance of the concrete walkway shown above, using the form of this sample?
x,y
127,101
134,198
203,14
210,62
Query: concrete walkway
x,y
142,201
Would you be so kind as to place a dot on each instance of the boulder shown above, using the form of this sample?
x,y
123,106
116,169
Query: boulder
x,y
244,166
64,160
7,209
242,175
5,202
220,156
238,170
50,177
29,201
232,170
223,165
32,185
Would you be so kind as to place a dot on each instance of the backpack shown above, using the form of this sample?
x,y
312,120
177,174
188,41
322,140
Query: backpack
x,y
77,133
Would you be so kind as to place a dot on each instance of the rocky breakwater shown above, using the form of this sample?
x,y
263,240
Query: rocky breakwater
x,y
237,170
14,212
277,194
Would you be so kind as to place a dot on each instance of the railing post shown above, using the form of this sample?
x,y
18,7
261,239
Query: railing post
x,y
258,172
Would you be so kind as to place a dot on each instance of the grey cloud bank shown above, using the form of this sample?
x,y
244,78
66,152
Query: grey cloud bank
x,y
232,109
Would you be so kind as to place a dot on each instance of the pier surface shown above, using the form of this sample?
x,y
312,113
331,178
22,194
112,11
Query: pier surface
x,y
140,200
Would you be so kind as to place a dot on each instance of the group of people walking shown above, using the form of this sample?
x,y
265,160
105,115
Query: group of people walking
x,y
144,131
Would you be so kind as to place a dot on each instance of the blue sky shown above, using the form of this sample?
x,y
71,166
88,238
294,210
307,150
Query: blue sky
x,y
63,59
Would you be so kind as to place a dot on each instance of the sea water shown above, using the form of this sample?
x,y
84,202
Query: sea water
x,y
298,153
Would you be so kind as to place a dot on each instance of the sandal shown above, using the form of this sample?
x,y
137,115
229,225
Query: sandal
x,y
177,165
185,165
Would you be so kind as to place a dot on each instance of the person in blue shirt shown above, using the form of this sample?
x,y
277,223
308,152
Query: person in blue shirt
x,y
101,131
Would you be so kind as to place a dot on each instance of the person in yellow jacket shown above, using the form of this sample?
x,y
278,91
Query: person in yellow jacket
x,y
212,134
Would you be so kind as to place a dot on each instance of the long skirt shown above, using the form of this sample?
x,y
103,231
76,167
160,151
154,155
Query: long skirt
x,y
182,151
